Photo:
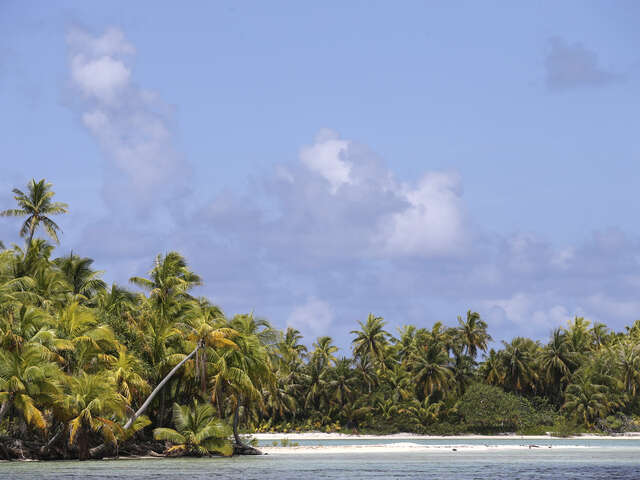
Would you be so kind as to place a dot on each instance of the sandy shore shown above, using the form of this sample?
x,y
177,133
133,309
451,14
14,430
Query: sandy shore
x,y
406,447
450,443
412,436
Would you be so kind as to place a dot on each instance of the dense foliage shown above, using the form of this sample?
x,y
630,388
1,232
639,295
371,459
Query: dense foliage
x,y
78,357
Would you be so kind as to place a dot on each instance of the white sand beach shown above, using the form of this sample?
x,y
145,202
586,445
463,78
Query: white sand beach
x,y
398,443
411,436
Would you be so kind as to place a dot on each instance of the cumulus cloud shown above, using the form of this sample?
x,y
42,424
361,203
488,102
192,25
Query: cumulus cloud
x,y
313,318
433,223
572,65
527,314
335,234
131,124
327,158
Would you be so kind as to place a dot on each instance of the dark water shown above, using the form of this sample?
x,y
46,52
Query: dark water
x,y
585,464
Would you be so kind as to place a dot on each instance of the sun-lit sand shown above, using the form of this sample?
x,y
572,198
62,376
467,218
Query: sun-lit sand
x,y
450,443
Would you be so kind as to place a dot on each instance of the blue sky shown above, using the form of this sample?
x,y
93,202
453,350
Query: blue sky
x,y
319,161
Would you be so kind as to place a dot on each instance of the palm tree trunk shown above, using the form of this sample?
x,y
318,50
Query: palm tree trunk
x,y
236,420
31,233
3,409
159,387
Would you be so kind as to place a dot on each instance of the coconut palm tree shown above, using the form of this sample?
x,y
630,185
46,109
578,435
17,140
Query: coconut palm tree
x,y
37,205
79,275
91,403
372,340
197,433
586,401
324,350
241,373
473,333
341,382
128,374
91,340
28,384
169,281
492,369
431,371
290,349
557,362
518,360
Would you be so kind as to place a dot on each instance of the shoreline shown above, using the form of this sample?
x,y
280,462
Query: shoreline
x,y
294,436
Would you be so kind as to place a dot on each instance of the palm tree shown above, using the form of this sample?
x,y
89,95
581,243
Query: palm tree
x,y
371,340
290,348
519,364
406,344
90,339
241,373
79,275
91,403
431,371
628,361
586,401
37,205
578,335
557,361
170,281
600,335
473,333
316,385
342,382
128,375
197,432
27,384
324,350
492,369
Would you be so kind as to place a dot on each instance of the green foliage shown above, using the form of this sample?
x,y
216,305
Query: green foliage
x,y
197,432
77,357
489,408
564,427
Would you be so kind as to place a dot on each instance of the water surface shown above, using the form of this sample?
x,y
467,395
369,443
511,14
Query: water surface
x,y
589,463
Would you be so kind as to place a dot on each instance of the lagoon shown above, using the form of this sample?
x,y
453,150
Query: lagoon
x,y
612,462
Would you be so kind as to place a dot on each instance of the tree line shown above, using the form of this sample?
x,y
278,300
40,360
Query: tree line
x,y
89,369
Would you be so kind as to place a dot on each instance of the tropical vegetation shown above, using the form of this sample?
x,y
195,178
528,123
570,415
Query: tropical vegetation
x,y
89,369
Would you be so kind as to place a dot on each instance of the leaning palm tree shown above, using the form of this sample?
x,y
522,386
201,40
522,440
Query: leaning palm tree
x,y
37,205
197,432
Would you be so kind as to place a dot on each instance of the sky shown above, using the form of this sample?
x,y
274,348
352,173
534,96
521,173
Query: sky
x,y
319,161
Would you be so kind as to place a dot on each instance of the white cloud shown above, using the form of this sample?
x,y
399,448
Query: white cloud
x,y
608,307
129,123
103,78
527,314
327,158
314,317
433,223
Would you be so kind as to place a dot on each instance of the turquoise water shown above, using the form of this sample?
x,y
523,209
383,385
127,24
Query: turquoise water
x,y
493,441
594,463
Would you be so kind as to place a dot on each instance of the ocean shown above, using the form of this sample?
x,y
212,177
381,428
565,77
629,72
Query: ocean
x,y
610,462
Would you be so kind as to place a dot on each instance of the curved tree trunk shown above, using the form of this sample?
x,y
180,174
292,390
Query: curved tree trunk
x,y
3,409
159,387
236,420
239,447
